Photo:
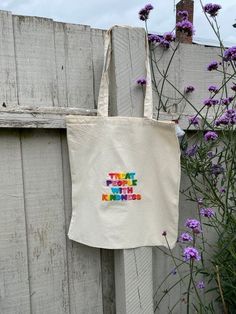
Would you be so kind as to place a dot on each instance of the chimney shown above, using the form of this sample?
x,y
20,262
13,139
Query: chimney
x,y
184,5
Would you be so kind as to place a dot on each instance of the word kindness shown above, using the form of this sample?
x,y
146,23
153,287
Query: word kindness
x,y
121,187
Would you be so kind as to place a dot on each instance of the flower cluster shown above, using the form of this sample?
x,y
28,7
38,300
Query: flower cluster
x,y
217,169
192,150
227,100
190,253
189,89
164,40
183,15
207,212
230,54
210,102
193,224
141,81
210,136
186,27
213,65
200,285
185,237
213,89
212,9
222,190
194,120
228,118
144,13
233,87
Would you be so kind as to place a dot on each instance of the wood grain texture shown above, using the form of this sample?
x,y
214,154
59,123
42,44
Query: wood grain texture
x,y
35,61
39,117
128,64
61,55
97,40
108,281
84,264
8,88
78,66
14,284
44,205
133,268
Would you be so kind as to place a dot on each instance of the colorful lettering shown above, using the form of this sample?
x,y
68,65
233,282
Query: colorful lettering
x,y
121,187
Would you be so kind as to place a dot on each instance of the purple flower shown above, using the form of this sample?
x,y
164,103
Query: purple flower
x,y
226,101
149,7
212,66
233,87
165,43
183,14
210,136
228,117
193,224
192,150
190,253
212,9
194,120
230,54
169,36
217,169
222,190
210,154
210,102
185,26
185,237
154,38
144,13
200,285
207,212
141,81
189,89
213,89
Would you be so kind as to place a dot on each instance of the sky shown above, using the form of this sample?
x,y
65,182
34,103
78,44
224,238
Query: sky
x,y
105,13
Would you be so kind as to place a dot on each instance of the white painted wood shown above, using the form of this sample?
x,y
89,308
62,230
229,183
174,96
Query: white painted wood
x,y
128,53
35,61
8,92
133,268
84,263
14,285
61,63
44,205
97,39
38,117
78,66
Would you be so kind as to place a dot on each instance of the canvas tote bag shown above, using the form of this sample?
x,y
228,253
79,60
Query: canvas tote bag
x,y
125,175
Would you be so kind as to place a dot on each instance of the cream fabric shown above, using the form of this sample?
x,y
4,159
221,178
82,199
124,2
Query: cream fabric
x,y
125,177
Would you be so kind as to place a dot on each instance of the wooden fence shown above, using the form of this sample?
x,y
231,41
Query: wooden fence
x,y
47,70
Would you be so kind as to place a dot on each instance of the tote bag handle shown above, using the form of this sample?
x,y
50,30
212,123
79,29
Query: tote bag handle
x,y
103,98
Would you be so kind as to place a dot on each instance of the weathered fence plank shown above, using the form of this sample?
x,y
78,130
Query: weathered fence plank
x,y
14,285
35,61
108,281
8,88
84,264
61,63
97,40
44,205
78,66
133,268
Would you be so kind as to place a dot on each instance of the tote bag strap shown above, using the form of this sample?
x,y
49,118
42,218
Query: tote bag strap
x,y
103,97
